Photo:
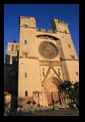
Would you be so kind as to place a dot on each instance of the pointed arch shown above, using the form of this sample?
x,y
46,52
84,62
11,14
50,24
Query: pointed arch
x,y
51,84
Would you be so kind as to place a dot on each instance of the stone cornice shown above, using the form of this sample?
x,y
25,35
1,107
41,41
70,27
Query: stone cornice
x,y
47,63
70,59
30,57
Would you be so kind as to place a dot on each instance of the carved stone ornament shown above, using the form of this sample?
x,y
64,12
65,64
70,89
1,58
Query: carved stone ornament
x,y
48,50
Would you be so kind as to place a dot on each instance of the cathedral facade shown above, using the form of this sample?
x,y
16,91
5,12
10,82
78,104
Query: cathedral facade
x,y
45,59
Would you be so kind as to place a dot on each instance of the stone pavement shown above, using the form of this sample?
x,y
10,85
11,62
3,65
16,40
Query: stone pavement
x,y
60,112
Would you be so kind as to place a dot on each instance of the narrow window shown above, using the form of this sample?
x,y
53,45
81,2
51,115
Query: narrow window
x,y
59,72
25,75
25,41
69,46
43,72
76,73
16,47
26,93
12,48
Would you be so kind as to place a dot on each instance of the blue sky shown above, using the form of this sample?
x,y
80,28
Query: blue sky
x,y
43,14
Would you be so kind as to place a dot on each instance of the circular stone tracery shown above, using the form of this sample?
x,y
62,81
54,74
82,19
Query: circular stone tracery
x,y
48,50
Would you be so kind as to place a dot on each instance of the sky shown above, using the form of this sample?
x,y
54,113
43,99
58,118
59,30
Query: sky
x,y
43,13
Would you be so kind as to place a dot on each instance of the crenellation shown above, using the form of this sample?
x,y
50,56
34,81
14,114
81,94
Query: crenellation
x,y
50,31
59,21
25,17
62,22
27,21
42,30
56,20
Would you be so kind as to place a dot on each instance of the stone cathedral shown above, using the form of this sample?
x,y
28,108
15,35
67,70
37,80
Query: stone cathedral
x,y
45,59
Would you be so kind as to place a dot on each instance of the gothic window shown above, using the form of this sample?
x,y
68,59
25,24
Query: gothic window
x,y
25,75
25,41
69,45
12,48
26,93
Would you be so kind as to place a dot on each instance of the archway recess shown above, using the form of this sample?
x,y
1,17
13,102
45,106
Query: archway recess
x,y
51,89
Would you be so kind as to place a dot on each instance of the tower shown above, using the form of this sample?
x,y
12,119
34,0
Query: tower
x,y
11,53
68,56
28,76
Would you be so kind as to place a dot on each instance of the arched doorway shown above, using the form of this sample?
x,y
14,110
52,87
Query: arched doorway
x,y
51,90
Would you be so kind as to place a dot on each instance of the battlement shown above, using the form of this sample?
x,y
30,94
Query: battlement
x,y
31,17
57,25
60,26
27,21
60,22
44,30
48,31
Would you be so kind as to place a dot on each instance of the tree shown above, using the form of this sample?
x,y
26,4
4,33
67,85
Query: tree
x,y
72,89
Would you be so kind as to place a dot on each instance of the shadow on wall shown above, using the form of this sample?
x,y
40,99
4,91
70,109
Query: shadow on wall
x,y
7,59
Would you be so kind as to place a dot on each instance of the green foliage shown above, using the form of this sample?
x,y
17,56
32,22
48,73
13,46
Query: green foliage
x,y
72,89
